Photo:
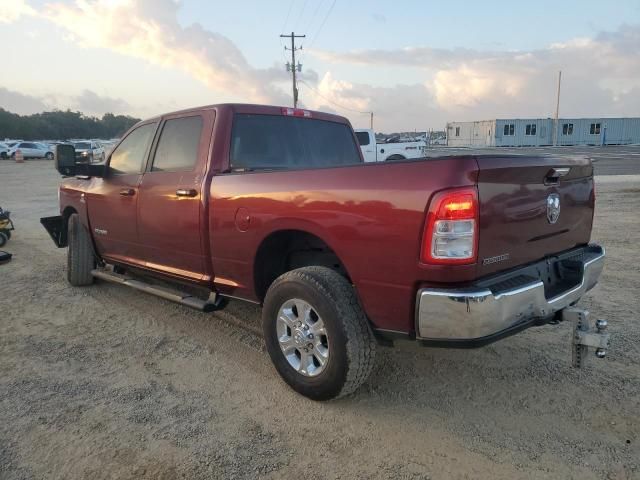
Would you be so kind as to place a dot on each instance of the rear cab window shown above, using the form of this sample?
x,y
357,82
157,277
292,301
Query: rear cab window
x,y
263,142
363,138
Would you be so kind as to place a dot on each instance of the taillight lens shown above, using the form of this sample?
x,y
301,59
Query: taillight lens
x,y
451,228
295,112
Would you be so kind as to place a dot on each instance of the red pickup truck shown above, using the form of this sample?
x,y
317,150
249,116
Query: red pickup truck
x,y
275,206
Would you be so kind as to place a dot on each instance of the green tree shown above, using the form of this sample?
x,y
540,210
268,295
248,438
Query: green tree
x,y
63,125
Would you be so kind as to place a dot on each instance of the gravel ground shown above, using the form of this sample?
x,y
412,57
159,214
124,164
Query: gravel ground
x,y
106,382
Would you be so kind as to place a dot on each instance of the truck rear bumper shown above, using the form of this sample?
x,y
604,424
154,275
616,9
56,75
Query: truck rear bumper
x,y
483,313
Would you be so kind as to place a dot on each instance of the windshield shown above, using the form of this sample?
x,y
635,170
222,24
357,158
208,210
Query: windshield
x,y
82,146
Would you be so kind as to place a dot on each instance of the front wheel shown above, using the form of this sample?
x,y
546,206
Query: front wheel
x,y
80,257
316,333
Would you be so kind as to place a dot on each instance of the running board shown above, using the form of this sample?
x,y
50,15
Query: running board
x,y
215,302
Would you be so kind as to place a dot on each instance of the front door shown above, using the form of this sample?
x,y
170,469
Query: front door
x,y
112,201
171,205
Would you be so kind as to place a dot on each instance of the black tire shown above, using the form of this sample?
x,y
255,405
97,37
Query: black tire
x,y
48,155
3,239
7,233
350,340
80,258
396,157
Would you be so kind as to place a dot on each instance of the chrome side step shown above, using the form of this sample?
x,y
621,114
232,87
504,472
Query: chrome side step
x,y
215,301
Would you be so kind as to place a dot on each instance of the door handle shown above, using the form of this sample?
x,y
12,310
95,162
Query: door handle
x,y
127,192
183,192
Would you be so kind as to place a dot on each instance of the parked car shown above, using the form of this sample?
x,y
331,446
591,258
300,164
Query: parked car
x,y
275,206
380,152
31,150
4,150
89,151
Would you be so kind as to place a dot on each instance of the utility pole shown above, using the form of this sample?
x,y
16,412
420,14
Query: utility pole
x,y
371,120
293,67
555,122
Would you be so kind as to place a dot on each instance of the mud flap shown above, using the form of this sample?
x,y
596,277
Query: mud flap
x,y
585,337
57,229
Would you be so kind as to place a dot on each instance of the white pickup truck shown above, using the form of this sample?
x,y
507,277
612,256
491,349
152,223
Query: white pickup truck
x,y
380,152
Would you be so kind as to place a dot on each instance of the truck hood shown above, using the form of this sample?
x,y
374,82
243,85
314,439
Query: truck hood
x,y
531,208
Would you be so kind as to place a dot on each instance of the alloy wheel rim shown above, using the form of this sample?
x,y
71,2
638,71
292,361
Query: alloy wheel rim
x,y
302,337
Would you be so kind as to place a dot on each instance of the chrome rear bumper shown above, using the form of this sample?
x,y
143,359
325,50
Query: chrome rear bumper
x,y
478,313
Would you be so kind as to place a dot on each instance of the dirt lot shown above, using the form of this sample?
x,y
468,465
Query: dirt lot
x,y
106,382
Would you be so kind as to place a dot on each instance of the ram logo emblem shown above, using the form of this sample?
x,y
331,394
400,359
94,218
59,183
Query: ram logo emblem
x,y
553,208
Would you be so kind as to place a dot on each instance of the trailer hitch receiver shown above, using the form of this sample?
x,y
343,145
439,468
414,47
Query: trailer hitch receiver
x,y
585,337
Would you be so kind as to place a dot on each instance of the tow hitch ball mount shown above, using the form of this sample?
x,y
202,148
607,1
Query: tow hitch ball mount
x,y
584,336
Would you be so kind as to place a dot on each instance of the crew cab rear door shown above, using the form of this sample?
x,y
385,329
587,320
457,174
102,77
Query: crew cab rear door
x,y
171,207
532,208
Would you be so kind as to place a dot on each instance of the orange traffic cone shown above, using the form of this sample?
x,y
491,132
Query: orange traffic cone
x,y
19,157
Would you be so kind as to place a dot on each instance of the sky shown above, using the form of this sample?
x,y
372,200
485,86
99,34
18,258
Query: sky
x,y
415,64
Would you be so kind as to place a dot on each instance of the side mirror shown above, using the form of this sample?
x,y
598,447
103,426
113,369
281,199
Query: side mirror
x,y
65,160
66,164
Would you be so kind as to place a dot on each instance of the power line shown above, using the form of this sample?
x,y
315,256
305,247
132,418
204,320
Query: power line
x,y
315,13
323,22
332,102
304,6
338,105
283,29
288,14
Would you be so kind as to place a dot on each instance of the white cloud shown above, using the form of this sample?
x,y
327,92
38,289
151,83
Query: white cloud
x,y
12,10
600,75
91,103
21,103
149,30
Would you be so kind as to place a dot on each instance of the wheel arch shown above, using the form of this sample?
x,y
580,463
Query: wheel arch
x,y
286,249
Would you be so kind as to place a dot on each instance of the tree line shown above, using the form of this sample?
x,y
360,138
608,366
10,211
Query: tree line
x,y
59,125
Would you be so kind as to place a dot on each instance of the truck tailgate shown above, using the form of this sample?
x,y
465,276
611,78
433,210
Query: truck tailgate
x,y
516,224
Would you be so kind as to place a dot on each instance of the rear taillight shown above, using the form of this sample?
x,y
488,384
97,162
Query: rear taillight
x,y
451,228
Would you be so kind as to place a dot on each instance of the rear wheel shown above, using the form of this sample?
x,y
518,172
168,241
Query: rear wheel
x,y
395,158
3,239
49,156
80,258
316,333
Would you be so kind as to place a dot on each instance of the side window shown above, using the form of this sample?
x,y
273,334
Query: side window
x,y
178,146
457,131
567,129
130,154
363,138
509,129
595,129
